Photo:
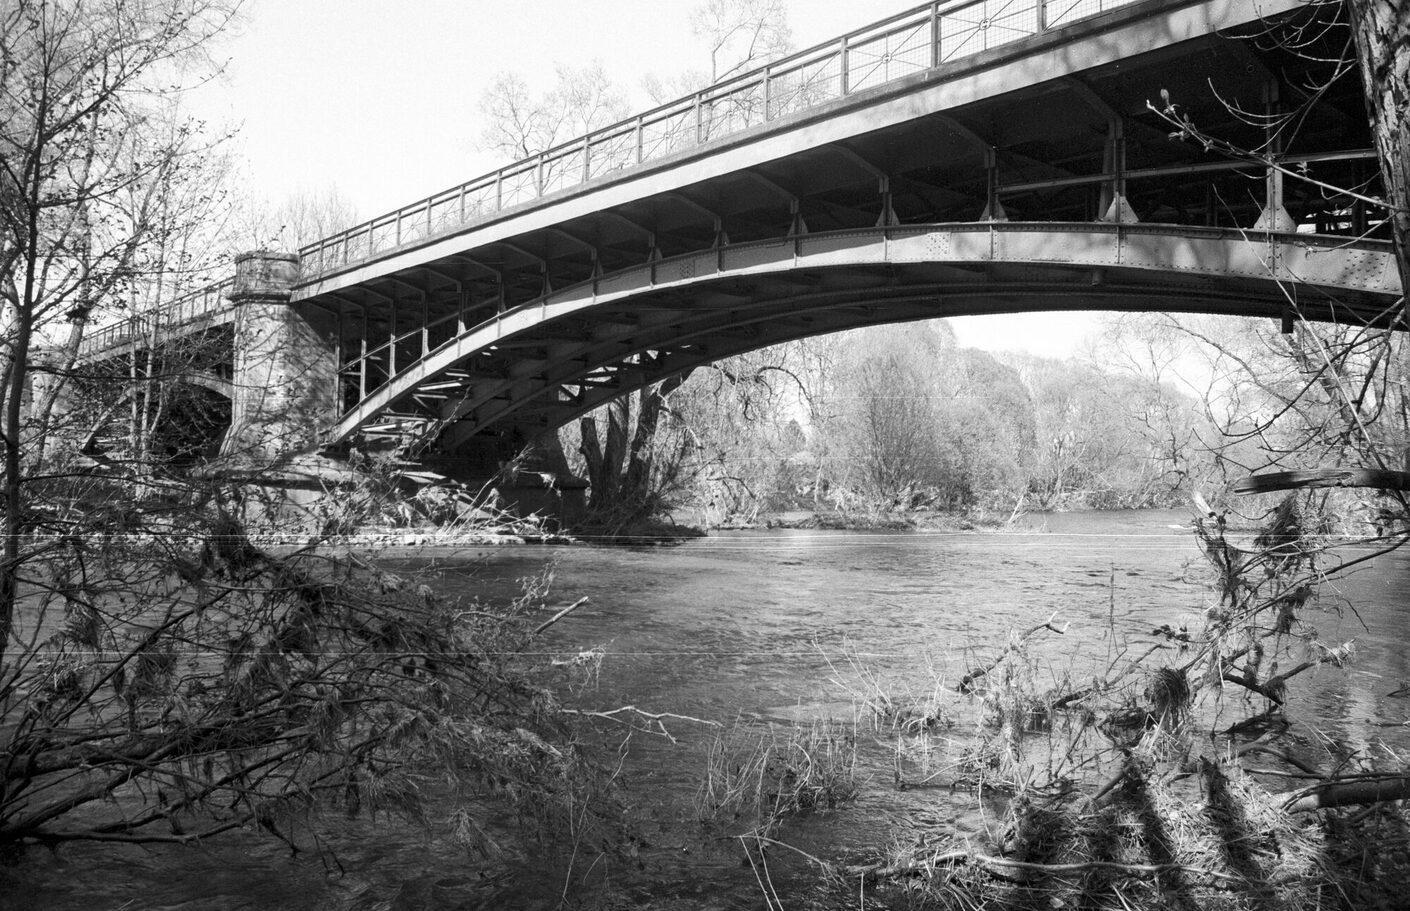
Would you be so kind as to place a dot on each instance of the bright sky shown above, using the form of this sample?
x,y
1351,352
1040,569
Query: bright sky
x,y
378,98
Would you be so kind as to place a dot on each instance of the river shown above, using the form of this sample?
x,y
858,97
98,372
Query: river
x,y
752,628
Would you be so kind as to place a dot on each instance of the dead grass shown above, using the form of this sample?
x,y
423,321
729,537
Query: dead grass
x,y
1210,841
758,776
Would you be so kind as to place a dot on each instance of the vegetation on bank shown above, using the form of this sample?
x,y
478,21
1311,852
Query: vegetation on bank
x,y
894,422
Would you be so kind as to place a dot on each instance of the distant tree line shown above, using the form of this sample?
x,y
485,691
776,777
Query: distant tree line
x,y
901,417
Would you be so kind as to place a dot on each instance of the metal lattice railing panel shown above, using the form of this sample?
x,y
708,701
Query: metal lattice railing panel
x,y
444,211
667,133
562,171
611,152
518,187
894,55
731,111
480,200
800,87
979,27
382,236
411,227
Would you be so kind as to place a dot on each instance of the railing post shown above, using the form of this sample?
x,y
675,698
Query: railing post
x,y
935,33
339,352
499,190
362,361
1042,13
538,175
639,139
392,341
768,95
587,157
842,59
1275,216
699,125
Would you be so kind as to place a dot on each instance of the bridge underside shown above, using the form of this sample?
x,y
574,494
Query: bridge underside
x,y
540,365
175,397
1007,182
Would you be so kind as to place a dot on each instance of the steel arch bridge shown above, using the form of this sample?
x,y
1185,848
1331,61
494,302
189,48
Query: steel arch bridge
x,y
966,156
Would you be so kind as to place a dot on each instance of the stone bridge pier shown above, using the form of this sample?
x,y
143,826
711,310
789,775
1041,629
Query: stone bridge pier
x,y
285,365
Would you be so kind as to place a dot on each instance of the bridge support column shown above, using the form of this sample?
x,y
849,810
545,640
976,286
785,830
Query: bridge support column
x,y
1275,216
285,365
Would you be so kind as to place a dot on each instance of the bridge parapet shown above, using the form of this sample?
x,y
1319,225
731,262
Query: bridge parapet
x,y
879,54
207,305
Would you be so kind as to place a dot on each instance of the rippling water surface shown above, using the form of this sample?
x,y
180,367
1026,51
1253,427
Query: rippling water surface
x,y
759,627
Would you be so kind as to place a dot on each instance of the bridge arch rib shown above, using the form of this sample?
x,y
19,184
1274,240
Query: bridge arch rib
x,y
549,360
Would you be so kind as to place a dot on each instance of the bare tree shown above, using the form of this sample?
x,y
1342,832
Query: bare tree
x,y
520,124
737,35
299,219
77,83
741,34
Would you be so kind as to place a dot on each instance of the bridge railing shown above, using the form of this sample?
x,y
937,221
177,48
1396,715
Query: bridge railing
x,y
895,48
198,305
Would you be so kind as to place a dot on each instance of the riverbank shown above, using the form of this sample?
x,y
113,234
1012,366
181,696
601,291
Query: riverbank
x,y
653,532
835,520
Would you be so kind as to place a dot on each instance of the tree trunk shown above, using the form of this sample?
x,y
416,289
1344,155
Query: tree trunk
x,y
604,462
42,408
636,486
1382,32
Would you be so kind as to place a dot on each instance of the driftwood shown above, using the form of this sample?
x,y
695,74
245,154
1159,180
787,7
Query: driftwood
x,y
559,616
1324,477
1346,791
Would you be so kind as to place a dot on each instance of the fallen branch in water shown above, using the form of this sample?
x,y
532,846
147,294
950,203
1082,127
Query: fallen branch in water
x,y
658,718
966,684
560,615
1323,477
1273,689
1259,747
1343,792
